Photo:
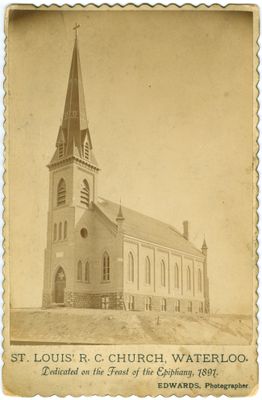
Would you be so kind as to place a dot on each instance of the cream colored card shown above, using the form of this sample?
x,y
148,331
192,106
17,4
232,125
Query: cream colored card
x,y
130,201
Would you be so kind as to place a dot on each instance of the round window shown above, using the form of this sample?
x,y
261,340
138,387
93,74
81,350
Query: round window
x,y
84,233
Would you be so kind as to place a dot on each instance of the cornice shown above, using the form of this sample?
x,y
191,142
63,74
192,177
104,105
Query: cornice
x,y
72,159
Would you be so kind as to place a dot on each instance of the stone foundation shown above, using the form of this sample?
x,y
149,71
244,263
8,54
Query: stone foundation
x,y
156,304
93,300
127,301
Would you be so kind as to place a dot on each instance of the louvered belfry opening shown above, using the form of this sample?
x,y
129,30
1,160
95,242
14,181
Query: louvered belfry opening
x,y
84,194
86,151
61,150
61,193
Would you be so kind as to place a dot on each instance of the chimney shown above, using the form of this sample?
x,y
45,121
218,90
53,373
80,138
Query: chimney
x,y
185,229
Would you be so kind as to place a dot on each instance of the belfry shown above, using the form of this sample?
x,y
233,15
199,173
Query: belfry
x,y
103,255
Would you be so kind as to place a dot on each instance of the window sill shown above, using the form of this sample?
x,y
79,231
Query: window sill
x,y
105,281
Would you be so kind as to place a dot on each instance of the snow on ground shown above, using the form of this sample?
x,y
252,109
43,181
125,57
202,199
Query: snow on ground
x,y
89,326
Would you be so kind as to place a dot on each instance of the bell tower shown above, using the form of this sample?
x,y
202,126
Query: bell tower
x,y
72,191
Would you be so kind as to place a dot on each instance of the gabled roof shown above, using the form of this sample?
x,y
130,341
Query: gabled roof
x,y
146,228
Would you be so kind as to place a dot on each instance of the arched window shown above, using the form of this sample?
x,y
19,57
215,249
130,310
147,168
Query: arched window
x,y
163,273
87,277
189,306
188,278
65,229
199,280
176,276
61,192
177,305
55,232
84,193
201,308
60,231
148,304
130,267
79,271
163,305
106,267
86,150
147,271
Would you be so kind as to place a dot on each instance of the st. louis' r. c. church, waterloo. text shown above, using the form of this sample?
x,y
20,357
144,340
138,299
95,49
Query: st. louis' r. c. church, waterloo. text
x,y
105,256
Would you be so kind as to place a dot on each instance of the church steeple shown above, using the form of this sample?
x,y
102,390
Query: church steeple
x,y
74,137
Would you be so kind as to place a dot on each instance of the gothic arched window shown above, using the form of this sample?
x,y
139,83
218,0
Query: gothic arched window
x,y
188,278
87,272
147,271
130,267
55,232
163,273
65,229
61,192
84,193
199,280
106,267
176,276
79,271
60,231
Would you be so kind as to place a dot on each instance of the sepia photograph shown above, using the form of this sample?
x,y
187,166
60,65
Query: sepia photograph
x,y
131,183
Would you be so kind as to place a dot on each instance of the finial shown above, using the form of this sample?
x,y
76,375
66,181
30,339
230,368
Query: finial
x,y
204,245
75,29
120,216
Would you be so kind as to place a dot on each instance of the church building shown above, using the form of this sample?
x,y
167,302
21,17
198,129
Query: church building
x,y
100,254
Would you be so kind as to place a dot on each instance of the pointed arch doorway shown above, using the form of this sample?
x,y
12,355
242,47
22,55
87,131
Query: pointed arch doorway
x,y
60,284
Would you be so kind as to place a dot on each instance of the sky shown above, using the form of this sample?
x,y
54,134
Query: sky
x,y
169,103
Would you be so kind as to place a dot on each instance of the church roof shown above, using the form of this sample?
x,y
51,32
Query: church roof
x,y
146,228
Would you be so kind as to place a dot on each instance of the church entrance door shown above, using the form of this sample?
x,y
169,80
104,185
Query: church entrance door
x,y
60,284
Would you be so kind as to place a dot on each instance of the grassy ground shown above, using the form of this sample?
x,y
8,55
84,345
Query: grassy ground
x,y
64,325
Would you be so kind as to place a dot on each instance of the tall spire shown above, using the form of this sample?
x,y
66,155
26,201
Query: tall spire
x,y
74,123
74,137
